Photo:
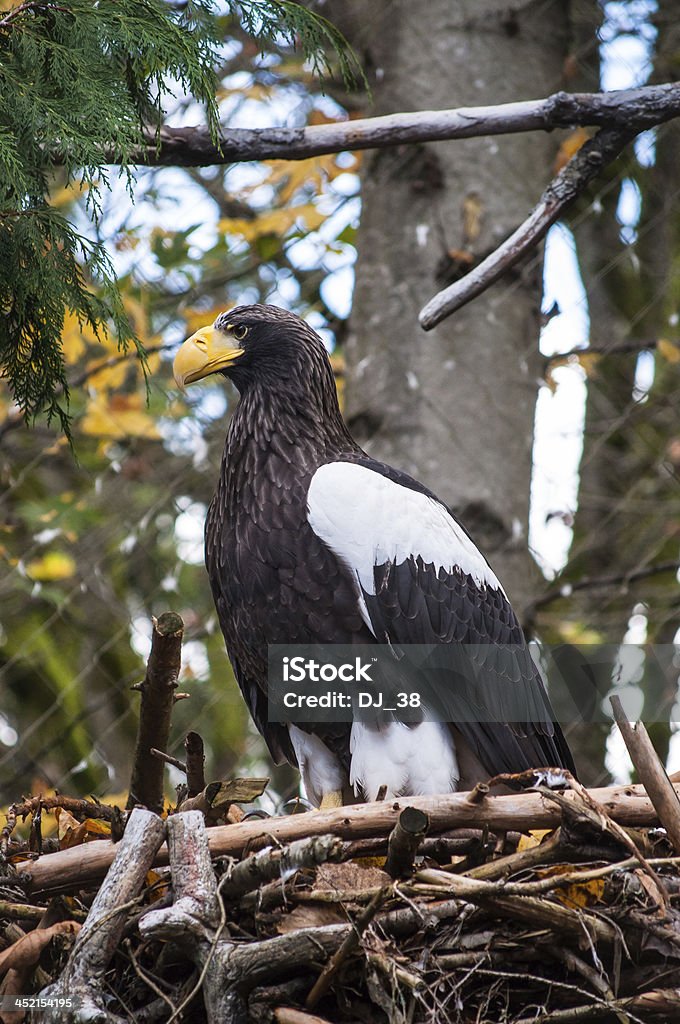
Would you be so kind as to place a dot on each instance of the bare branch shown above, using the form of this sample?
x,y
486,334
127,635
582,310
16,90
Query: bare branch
x,y
565,590
158,689
650,771
84,973
193,147
572,180
193,744
628,805
279,862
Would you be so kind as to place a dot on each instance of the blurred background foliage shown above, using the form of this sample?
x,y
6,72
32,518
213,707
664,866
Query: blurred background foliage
x,y
92,546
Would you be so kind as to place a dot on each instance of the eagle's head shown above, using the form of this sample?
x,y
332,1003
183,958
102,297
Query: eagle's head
x,y
256,345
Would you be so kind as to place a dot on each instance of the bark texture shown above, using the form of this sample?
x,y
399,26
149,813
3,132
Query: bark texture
x,y
456,407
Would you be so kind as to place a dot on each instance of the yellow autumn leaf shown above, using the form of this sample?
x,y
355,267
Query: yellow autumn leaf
x,y
584,894
196,318
55,565
110,375
577,895
114,417
669,350
586,360
73,340
533,838
274,222
158,885
578,633
473,211
295,175
98,827
569,147
65,821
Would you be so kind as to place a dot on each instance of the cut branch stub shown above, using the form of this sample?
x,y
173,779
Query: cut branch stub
x,y
193,745
158,689
404,841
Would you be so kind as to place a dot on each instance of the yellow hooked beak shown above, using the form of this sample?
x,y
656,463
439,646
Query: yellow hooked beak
x,y
203,353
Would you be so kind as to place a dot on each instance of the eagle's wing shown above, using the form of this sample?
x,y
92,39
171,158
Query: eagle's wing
x,y
420,579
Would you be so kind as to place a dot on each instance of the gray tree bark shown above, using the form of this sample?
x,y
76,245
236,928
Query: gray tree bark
x,y
454,408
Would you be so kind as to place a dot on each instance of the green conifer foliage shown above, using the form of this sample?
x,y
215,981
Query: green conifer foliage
x,y
79,82
82,84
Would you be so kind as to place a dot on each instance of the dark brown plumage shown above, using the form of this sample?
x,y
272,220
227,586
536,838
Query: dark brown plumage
x,y
296,506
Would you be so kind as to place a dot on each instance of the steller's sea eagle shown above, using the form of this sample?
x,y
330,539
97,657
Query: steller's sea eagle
x,y
309,540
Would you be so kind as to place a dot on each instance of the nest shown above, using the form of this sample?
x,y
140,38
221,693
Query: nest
x,y
539,906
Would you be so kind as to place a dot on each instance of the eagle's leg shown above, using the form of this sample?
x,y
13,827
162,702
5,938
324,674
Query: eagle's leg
x,y
332,798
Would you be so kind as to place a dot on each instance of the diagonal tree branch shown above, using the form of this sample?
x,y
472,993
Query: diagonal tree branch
x,y
572,180
193,146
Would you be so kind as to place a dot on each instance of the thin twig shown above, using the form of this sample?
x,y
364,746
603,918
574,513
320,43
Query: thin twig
x,y
350,943
566,590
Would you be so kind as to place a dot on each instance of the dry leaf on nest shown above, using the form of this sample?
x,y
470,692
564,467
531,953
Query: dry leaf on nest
x,y
311,915
577,895
26,951
350,877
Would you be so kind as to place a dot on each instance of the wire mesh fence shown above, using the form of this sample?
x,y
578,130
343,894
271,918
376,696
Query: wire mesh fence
x,y
94,545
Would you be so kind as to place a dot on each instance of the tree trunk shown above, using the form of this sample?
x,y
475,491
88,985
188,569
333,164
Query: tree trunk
x,y
455,408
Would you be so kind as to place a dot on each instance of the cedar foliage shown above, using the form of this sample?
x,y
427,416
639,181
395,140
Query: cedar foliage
x,y
82,83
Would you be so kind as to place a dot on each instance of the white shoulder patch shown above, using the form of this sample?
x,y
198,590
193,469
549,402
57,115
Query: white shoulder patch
x,y
368,520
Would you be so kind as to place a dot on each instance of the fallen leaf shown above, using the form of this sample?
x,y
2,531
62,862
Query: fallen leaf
x,y
26,951
349,877
534,838
311,915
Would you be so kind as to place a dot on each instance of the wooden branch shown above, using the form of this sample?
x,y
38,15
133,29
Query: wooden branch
x,y
349,944
616,348
169,759
158,691
287,1015
629,805
405,838
217,797
193,146
534,912
271,863
651,772
572,180
83,976
74,805
566,590
543,853
193,744
661,1003
195,921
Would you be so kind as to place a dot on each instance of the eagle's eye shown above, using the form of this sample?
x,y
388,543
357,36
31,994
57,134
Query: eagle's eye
x,y
240,332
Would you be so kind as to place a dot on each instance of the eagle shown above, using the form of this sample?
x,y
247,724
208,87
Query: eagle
x,y
309,540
